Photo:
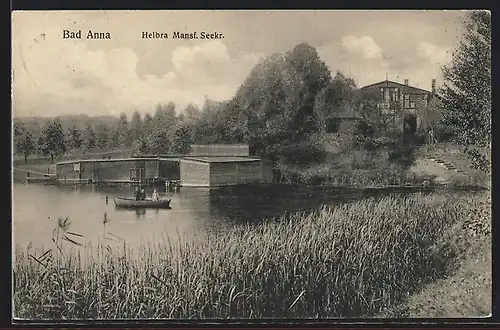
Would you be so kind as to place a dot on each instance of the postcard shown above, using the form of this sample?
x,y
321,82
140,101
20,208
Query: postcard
x,y
251,165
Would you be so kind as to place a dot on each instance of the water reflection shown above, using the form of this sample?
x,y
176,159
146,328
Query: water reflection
x,y
193,211
139,213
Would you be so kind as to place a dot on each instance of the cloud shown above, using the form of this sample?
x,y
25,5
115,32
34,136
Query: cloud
x,y
359,57
364,60
433,53
52,76
362,45
209,62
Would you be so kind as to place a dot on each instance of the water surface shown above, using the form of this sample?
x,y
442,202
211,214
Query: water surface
x,y
194,212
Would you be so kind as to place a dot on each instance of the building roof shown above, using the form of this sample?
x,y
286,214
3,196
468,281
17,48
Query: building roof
x,y
222,159
406,88
103,160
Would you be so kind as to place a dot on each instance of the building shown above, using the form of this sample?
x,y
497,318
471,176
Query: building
x,y
118,170
235,150
217,165
406,103
204,166
217,171
341,121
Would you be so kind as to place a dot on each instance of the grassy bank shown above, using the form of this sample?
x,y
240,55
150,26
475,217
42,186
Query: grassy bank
x,y
326,174
353,260
377,176
467,291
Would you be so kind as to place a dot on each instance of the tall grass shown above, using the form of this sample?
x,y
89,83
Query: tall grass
x,y
325,174
351,260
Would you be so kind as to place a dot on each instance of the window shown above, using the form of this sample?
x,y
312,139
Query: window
x,y
412,105
136,174
394,95
76,167
386,94
332,125
407,101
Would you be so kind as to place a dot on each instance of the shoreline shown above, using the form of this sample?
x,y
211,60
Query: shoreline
x,y
404,226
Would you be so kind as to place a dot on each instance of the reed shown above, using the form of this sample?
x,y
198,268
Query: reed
x,y
346,261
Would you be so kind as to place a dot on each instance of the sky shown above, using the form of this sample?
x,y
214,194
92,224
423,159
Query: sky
x,y
53,76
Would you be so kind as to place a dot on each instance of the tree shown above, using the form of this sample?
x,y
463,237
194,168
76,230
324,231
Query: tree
x,y
90,138
136,126
24,142
275,107
337,97
159,142
466,92
123,131
147,125
165,116
305,62
141,146
75,139
182,140
102,135
192,113
52,140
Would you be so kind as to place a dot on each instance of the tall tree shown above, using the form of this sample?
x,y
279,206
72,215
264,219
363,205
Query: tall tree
x,y
182,139
305,62
52,140
466,93
192,113
24,142
147,125
75,138
165,116
89,137
123,131
275,106
136,126
102,135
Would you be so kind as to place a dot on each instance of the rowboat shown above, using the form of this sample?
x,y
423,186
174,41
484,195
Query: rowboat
x,y
146,203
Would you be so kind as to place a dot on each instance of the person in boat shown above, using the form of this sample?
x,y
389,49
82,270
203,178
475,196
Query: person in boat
x,y
136,193
155,196
143,194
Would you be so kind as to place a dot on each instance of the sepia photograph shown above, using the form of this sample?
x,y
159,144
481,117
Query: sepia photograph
x,y
251,165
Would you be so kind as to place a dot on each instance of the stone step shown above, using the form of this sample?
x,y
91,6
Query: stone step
x,y
447,165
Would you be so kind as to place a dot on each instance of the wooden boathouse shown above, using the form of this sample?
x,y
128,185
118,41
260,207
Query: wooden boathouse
x,y
118,170
216,171
204,166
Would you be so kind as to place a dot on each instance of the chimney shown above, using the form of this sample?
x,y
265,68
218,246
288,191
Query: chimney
x,y
406,82
433,88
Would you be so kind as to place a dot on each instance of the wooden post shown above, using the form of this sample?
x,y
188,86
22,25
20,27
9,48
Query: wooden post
x,y
236,169
260,174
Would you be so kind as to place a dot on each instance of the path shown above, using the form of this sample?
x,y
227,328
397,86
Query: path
x,y
446,165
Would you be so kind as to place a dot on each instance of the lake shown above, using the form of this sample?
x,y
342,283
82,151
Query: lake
x,y
194,211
